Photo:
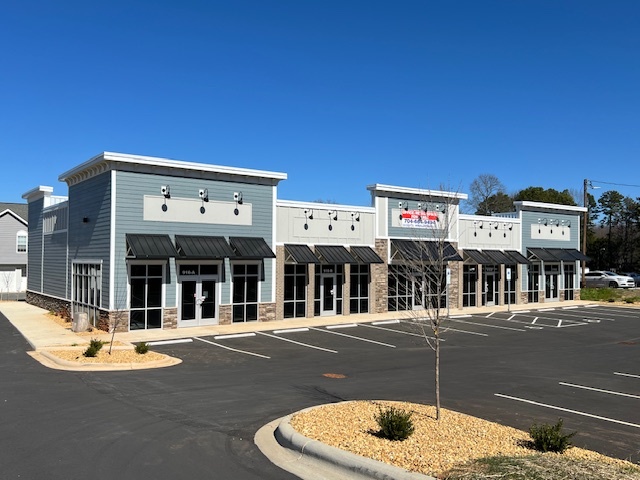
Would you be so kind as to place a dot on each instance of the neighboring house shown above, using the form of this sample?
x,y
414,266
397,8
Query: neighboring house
x,y
13,249
149,243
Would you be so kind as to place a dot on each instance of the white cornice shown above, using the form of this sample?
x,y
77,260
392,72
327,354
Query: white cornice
x,y
418,192
324,206
525,204
14,215
37,192
104,161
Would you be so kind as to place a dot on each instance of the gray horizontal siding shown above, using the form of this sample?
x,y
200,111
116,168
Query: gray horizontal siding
x,y
90,240
34,255
55,271
9,227
531,218
131,188
411,233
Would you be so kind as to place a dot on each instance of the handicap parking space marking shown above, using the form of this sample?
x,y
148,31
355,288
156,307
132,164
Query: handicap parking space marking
x,y
352,336
626,374
298,343
232,349
600,390
562,409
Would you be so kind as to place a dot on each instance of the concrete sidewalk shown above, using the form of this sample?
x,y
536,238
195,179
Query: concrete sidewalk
x,y
41,332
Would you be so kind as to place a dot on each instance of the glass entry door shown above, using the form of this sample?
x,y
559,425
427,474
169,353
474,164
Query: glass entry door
x,y
328,294
198,302
490,289
551,287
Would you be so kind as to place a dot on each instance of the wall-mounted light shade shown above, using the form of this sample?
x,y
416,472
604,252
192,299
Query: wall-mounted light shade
x,y
165,190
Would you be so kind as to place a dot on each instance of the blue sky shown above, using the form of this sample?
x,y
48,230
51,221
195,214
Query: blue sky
x,y
338,94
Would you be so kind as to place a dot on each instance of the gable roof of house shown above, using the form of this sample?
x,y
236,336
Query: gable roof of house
x,y
18,210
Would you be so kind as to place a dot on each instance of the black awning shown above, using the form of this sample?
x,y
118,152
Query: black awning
x,y
148,246
250,248
498,257
301,254
557,254
423,251
568,254
517,257
541,254
365,255
477,257
334,254
202,247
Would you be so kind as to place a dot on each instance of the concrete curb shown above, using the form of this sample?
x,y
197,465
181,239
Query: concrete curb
x,y
52,361
353,465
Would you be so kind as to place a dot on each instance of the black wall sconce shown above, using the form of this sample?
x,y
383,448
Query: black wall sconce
x,y
333,215
308,215
237,196
355,217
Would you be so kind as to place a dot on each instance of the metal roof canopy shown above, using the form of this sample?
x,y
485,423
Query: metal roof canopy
x,y
203,247
250,248
334,254
517,257
419,250
149,246
365,255
498,257
557,254
478,257
299,254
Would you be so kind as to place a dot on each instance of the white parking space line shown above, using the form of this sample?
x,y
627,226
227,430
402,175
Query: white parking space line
x,y
354,337
460,316
610,392
489,326
297,343
229,348
570,307
626,374
448,329
546,309
234,335
170,342
291,330
385,322
344,325
554,407
395,331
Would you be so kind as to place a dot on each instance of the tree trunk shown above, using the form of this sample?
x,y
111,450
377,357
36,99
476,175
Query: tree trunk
x,y
437,335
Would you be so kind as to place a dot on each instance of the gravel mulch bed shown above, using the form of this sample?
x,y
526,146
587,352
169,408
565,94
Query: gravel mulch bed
x,y
435,446
118,355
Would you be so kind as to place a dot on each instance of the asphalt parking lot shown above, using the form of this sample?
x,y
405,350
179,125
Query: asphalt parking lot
x,y
581,364
198,418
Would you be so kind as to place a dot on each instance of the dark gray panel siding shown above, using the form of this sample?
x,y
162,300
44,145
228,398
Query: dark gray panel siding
x,y
131,188
34,255
55,279
91,199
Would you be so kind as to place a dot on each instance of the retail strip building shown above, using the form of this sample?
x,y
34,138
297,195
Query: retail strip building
x,y
145,243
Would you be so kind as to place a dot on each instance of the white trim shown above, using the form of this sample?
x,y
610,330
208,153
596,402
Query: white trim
x,y
37,192
377,187
553,206
25,234
14,215
168,163
324,206
274,222
112,243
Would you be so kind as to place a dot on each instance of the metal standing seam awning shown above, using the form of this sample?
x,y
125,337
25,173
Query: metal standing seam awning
x,y
477,256
149,246
365,255
203,247
498,257
250,248
557,254
336,254
517,257
299,254
424,251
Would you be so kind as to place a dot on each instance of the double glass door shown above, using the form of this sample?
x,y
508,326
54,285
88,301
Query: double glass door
x,y
198,301
551,286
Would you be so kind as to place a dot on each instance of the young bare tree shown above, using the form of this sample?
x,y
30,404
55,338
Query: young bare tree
x,y
484,192
5,284
420,270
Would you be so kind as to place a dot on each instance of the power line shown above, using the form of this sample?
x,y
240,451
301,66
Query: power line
x,y
617,184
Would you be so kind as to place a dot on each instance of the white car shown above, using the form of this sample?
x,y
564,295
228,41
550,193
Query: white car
x,y
603,278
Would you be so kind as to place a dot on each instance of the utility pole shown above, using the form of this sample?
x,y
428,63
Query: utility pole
x,y
583,264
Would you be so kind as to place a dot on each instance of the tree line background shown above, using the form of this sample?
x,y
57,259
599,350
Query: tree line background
x,y
613,226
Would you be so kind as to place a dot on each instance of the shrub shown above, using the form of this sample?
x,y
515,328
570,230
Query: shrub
x,y
142,348
91,351
394,423
549,438
97,344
